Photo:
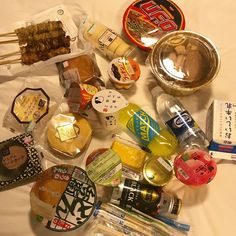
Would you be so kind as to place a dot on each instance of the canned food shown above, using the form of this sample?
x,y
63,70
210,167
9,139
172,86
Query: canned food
x,y
184,62
157,171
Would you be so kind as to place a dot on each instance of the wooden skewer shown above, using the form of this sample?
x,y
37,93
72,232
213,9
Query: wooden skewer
x,y
9,41
8,34
10,61
3,56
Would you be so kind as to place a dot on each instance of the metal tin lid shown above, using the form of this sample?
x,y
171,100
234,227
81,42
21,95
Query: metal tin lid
x,y
184,60
63,197
146,21
157,171
195,167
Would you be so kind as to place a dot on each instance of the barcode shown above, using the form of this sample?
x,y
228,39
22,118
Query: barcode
x,y
183,173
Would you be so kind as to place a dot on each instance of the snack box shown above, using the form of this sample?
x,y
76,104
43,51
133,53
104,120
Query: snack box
x,y
221,129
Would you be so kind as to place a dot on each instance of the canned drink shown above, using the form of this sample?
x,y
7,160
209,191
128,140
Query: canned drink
x,y
157,171
147,199
184,62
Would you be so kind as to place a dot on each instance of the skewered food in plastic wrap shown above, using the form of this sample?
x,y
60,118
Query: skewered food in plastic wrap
x,y
37,42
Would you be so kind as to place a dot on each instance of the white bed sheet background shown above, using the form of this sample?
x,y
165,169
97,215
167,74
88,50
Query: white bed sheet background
x,y
210,210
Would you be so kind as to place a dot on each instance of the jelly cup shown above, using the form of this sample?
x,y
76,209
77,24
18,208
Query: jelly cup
x,y
123,72
195,167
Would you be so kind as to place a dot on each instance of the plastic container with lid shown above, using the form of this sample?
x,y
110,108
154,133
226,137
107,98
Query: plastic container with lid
x,y
123,72
184,62
195,167
104,167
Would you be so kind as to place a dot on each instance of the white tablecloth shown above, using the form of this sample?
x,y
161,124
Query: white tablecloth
x,y
210,210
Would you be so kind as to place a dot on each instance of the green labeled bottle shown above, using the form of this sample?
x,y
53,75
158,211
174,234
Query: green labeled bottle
x,y
157,139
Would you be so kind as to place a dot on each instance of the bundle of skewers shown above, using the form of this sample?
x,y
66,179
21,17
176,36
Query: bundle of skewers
x,y
37,42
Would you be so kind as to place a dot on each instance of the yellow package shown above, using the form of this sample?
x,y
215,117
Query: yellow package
x,y
133,157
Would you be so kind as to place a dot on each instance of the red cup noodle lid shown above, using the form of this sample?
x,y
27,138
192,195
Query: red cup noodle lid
x,y
63,198
195,167
145,21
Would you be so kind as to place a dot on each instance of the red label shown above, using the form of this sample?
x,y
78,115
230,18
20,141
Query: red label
x,y
61,223
145,21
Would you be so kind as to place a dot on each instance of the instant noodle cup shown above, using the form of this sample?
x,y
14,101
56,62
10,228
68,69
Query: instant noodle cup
x,y
63,198
184,62
123,72
145,21
195,167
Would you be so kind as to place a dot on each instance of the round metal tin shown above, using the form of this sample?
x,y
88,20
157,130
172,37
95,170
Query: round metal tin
x,y
146,21
184,62
63,198
157,171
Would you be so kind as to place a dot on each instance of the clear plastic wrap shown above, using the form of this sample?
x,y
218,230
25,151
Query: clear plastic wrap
x,y
32,107
106,41
66,135
81,79
43,39
19,160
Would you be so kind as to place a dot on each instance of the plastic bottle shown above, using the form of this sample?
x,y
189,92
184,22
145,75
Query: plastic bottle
x,y
157,139
178,120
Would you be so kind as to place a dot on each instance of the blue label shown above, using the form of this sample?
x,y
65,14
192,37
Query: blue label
x,y
143,126
181,123
214,146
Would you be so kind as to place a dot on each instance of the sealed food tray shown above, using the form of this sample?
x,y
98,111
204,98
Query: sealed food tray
x,y
46,38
